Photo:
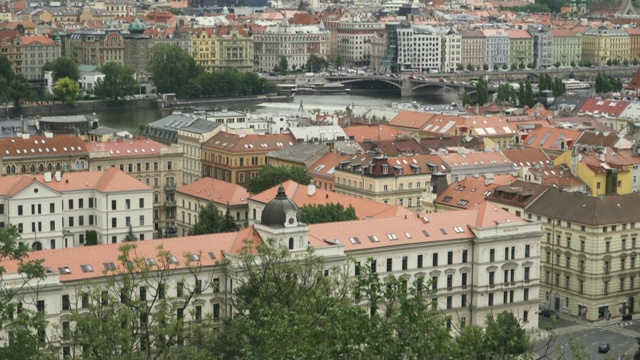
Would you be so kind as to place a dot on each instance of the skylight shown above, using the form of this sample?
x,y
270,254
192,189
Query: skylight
x,y
354,240
86,268
109,266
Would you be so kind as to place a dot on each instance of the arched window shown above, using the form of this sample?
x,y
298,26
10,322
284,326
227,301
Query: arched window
x,y
23,169
290,243
57,166
82,165
49,167
41,168
189,216
66,166
13,169
37,245
183,216
33,168
8,169
77,165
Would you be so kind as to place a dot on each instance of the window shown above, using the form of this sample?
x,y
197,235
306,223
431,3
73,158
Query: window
x,y
198,309
492,255
492,276
127,204
356,271
66,305
113,205
114,222
40,306
526,294
19,209
526,274
52,225
161,291
405,263
373,266
435,259
80,203
527,251
419,261
70,204
449,302
506,253
141,203
216,285
525,316
464,280
216,311
180,289
434,283
143,293
52,208
450,258
607,246
449,282
582,245
389,264
198,289
490,300
141,220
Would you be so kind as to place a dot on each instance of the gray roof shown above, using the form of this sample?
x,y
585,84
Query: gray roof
x,y
587,210
11,128
67,119
328,132
298,152
104,130
167,127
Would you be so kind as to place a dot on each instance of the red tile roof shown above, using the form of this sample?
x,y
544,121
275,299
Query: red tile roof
x,y
127,147
411,119
470,192
549,138
364,208
42,40
361,133
249,143
218,191
599,107
527,157
41,146
98,255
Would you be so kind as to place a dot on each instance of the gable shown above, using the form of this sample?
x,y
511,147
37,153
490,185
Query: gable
x,y
35,190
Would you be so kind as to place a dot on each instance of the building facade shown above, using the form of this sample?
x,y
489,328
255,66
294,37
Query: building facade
x,y
235,47
154,164
498,49
95,47
599,45
542,46
137,53
419,48
354,40
567,47
37,154
37,51
521,47
474,48
54,210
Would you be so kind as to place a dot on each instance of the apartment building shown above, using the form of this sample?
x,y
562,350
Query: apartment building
x,y
354,40
236,158
235,48
419,48
602,44
154,164
567,46
95,47
498,49
521,47
36,52
10,46
479,261
589,255
190,198
204,48
473,44
36,154
294,43
396,181
542,39
634,43
54,210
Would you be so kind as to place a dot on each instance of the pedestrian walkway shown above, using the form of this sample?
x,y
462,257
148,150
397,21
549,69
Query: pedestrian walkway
x,y
571,329
616,328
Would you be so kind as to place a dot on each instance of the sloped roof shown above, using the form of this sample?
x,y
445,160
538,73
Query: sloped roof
x,y
127,147
526,157
471,192
411,119
41,146
250,142
218,191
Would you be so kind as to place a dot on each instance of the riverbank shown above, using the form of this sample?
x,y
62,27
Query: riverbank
x,y
102,106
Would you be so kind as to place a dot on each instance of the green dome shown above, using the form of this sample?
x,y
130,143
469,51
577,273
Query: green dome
x,y
136,27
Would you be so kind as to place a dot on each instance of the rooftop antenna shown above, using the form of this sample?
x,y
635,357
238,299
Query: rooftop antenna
x,y
301,108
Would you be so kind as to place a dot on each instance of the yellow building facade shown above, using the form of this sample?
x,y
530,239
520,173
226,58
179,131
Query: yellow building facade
x,y
520,47
224,47
602,44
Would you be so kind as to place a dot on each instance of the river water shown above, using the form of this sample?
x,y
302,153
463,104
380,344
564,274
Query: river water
x,y
131,119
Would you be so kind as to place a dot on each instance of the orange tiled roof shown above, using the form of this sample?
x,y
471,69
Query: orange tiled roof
x,y
127,147
471,192
41,146
527,157
42,40
218,191
364,208
411,119
549,138
249,143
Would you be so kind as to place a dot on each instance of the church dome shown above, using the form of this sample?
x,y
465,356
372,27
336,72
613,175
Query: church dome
x,y
275,213
136,27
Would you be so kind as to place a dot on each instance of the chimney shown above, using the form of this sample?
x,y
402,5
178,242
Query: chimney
x,y
58,176
311,189
47,177
602,158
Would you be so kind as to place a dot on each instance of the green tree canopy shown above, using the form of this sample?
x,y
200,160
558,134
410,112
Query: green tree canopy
x,y
172,67
482,91
505,337
316,63
63,67
119,82
6,70
211,221
130,235
314,214
270,176
67,90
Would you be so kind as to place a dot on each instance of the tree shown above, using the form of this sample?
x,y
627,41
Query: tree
x,y
521,94
459,67
485,67
63,67
172,67
482,91
514,66
505,337
24,324
119,322
521,66
270,176
316,63
505,66
556,64
558,87
91,237
211,221
339,61
466,99
573,63
609,62
283,65
528,94
130,235
314,214
625,62
470,67
635,61
470,345
67,90
6,70
119,82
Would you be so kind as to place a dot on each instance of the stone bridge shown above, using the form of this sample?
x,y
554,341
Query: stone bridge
x,y
408,87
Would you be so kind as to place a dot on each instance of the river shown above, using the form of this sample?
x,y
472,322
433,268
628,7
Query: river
x,y
132,118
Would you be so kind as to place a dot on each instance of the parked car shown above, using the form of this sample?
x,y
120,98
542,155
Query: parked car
x,y
548,313
604,348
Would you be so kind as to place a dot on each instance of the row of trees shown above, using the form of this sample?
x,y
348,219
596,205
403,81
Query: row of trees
x,y
554,84
14,88
508,94
175,71
315,63
607,84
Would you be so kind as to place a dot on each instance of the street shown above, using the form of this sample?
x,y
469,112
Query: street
x,y
620,335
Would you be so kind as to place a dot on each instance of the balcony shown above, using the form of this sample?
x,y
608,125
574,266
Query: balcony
x,y
170,203
170,187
